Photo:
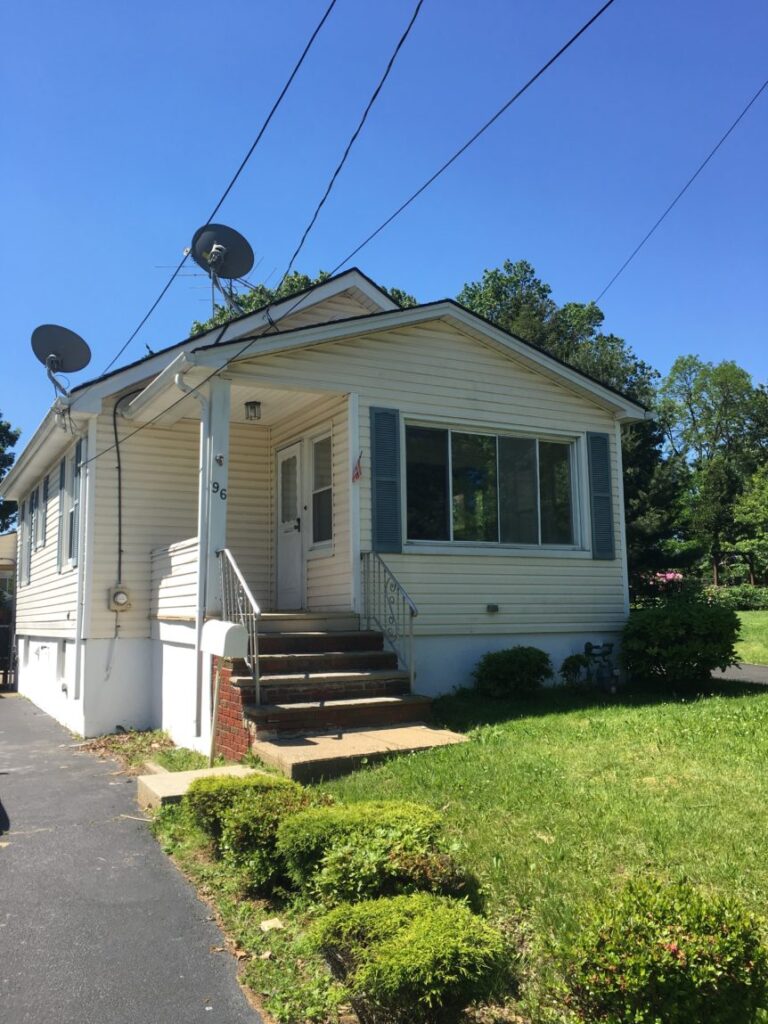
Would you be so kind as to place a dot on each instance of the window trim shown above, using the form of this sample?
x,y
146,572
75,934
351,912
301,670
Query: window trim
x,y
322,547
576,449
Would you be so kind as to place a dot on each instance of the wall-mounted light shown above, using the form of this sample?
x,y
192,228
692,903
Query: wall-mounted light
x,y
252,411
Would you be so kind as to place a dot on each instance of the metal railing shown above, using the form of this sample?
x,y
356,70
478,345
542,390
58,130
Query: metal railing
x,y
238,605
388,606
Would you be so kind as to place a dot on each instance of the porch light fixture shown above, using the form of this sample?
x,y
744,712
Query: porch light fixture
x,y
252,411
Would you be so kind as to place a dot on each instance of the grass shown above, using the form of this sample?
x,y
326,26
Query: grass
x,y
753,646
135,747
555,800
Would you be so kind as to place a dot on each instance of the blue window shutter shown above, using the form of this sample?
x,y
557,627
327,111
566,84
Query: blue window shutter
x,y
600,497
386,526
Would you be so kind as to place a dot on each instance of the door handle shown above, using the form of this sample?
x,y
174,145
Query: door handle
x,y
297,524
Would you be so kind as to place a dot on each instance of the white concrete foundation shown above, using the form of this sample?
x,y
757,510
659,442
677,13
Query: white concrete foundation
x,y
445,663
46,676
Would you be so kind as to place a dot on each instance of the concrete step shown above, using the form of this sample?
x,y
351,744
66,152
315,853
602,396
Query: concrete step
x,y
326,661
303,642
305,688
169,787
324,755
304,622
279,719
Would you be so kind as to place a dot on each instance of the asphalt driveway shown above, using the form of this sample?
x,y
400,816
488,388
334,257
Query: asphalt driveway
x,y
96,924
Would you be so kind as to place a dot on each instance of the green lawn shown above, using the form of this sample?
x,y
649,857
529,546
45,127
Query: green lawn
x,y
753,646
554,802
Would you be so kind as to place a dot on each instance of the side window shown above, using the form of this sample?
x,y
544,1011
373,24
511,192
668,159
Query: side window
x,y
25,551
73,524
322,491
43,514
62,513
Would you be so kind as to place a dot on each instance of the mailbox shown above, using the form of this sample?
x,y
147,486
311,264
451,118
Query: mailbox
x,y
224,639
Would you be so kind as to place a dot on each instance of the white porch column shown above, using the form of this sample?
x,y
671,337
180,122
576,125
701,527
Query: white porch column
x,y
218,476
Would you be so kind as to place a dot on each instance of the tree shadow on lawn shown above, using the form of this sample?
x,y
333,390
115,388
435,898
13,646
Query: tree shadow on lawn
x,y
466,709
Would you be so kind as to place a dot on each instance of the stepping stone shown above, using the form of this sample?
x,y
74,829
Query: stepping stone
x,y
169,787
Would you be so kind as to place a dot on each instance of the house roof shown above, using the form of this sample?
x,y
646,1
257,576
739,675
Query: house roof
x,y
248,336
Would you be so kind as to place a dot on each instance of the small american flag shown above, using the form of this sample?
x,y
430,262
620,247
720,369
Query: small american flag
x,y
357,469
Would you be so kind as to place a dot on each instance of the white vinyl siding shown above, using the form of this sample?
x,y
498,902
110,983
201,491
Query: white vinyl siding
x,y
433,374
174,581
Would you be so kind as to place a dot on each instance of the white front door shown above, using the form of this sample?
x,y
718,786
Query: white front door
x,y
290,548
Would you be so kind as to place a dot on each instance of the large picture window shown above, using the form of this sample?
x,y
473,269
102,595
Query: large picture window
x,y
484,488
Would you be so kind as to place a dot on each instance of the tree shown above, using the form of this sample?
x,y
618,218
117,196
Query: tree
x,y
750,518
8,438
261,296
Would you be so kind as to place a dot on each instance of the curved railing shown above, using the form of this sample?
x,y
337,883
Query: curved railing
x,y
388,607
239,605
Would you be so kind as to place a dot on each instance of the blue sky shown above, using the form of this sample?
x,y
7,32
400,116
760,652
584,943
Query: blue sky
x,y
122,123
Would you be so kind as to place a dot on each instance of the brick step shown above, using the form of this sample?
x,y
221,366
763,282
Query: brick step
x,y
309,642
305,622
271,719
326,661
305,690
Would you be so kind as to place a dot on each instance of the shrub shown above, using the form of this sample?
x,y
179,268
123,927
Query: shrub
x,y
249,831
573,668
420,958
209,798
362,868
680,641
669,955
303,839
742,598
515,672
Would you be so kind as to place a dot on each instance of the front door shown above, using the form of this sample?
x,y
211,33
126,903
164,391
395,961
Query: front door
x,y
290,549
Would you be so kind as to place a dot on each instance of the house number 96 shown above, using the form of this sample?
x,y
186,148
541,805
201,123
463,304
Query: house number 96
x,y
221,491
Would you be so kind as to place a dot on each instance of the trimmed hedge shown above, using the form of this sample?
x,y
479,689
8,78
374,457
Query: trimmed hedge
x,y
679,641
249,831
364,867
516,672
210,798
305,838
668,954
419,958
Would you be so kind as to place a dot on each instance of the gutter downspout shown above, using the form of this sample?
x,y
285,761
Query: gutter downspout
x,y
202,538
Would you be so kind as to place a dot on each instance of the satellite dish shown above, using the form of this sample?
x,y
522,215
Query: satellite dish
x,y
221,251
60,351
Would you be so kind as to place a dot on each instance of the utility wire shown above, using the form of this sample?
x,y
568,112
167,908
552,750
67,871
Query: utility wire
x,y
251,341
680,194
353,139
231,184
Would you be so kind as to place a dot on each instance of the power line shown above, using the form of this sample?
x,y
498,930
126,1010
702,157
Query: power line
x,y
251,341
476,136
231,184
353,139
680,194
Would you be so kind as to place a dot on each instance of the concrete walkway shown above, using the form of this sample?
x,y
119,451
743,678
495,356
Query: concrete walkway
x,y
96,924
744,674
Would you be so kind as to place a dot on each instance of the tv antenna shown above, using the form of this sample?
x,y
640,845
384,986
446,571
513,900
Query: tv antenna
x,y
225,255
60,351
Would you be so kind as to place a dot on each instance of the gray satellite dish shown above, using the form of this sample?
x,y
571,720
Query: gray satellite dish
x,y
222,252
60,351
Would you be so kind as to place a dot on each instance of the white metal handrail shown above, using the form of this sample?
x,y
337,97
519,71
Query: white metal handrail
x,y
239,605
388,606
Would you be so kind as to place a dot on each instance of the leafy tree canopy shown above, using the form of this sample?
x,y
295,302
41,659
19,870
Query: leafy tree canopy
x,y
261,296
8,438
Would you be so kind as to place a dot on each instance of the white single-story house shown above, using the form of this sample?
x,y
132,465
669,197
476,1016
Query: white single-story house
x,y
334,456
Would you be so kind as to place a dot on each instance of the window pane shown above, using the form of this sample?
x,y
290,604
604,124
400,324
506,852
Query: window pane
x,y
518,513
473,460
322,516
289,505
323,467
555,493
427,483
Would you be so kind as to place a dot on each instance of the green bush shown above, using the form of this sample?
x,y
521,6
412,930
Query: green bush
x,y
574,668
305,838
679,641
209,798
249,831
365,867
419,958
742,598
515,672
667,954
